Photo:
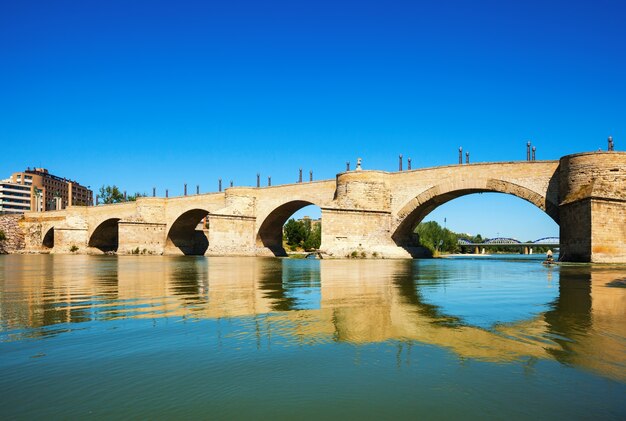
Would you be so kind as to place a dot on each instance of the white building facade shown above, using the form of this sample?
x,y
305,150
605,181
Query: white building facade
x,y
14,197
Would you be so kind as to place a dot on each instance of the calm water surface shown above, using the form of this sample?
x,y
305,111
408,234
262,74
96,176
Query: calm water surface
x,y
106,337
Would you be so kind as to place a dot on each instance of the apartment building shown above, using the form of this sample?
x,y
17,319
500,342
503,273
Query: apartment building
x,y
50,192
14,197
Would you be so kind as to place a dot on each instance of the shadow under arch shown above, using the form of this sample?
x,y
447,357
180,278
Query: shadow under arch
x,y
48,239
417,208
184,237
270,234
106,236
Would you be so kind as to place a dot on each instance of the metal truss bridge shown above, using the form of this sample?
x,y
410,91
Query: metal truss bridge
x,y
503,241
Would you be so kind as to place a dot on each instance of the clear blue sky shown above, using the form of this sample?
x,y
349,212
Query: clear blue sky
x,y
162,93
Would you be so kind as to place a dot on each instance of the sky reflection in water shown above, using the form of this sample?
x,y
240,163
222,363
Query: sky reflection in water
x,y
247,323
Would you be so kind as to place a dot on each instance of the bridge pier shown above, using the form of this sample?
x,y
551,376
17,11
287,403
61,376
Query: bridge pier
x,y
231,235
593,207
70,240
359,233
232,228
137,237
360,223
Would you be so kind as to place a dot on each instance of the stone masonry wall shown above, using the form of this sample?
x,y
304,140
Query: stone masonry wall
x,y
593,207
14,241
608,240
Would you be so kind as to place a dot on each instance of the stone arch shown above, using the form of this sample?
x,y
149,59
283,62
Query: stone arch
x,y
270,233
106,235
183,237
413,212
48,239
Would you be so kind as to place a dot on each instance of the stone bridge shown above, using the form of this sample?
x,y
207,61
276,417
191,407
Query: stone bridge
x,y
371,212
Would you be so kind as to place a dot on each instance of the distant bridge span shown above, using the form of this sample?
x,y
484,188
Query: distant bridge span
x,y
501,241
371,212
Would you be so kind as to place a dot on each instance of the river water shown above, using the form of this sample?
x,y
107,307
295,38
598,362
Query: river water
x,y
153,337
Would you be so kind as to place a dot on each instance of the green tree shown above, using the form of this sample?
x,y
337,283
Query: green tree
x,y
3,236
133,197
314,239
294,232
111,194
303,233
437,239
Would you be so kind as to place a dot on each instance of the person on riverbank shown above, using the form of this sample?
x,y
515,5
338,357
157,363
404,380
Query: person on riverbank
x,y
549,257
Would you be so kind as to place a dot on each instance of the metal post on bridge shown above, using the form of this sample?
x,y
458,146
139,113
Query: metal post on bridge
x,y
185,190
534,149
167,193
347,165
97,200
197,189
231,183
460,155
258,180
467,157
124,195
310,175
400,162
153,191
219,185
408,162
269,181
528,151
300,176
611,145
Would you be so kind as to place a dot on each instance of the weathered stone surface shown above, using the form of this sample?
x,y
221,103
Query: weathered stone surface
x,y
14,241
593,207
370,213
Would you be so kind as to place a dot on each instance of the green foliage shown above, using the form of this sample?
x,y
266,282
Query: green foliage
x,y
111,194
437,239
314,237
133,197
74,248
355,254
294,232
3,236
302,234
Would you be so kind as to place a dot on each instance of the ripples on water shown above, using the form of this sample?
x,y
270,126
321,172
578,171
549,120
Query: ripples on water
x,y
194,337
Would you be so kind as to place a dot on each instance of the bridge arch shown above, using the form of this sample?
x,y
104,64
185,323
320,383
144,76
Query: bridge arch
x,y
183,237
416,209
48,239
270,232
105,237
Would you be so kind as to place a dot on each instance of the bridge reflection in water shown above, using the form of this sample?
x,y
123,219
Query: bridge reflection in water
x,y
312,302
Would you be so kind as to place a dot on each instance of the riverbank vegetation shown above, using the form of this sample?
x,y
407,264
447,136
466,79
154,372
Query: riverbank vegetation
x,y
303,234
306,235
438,240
